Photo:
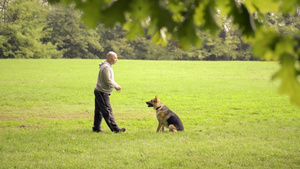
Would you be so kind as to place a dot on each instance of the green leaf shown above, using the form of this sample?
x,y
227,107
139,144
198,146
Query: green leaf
x,y
134,28
115,13
243,18
176,7
205,16
288,75
264,6
269,45
186,33
264,44
91,14
160,37
288,6
140,10
161,17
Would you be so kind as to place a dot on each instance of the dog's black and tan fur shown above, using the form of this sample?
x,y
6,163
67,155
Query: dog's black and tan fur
x,y
166,118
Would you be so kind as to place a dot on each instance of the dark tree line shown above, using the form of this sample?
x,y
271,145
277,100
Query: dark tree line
x,y
35,29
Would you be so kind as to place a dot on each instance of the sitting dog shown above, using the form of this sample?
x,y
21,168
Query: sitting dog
x,y
166,118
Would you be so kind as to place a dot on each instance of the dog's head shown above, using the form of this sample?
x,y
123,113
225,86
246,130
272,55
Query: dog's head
x,y
155,103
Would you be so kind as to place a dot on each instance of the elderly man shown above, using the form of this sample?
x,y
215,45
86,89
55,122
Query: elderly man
x,y
104,86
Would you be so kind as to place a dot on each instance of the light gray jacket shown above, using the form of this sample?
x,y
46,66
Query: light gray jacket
x,y
106,82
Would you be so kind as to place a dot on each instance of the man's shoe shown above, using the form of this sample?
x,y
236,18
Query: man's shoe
x,y
121,130
97,130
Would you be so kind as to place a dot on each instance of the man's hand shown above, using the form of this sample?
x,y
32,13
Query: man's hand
x,y
118,88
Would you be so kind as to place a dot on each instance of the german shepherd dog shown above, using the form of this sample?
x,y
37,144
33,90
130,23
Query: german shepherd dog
x,y
166,118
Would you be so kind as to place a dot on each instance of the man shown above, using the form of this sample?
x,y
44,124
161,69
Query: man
x,y
104,86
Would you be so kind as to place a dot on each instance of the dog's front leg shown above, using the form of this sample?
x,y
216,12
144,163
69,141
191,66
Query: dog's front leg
x,y
162,128
158,127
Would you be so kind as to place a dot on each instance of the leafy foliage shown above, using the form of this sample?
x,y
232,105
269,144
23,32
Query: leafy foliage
x,y
32,29
21,30
288,74
70,35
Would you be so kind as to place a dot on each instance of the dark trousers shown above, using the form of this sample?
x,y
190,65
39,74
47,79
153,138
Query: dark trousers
x,y
103,110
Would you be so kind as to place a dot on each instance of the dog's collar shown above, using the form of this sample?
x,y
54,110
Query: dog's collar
x,y
159,107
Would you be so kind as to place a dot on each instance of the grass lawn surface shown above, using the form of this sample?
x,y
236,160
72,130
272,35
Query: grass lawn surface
x,y
232,114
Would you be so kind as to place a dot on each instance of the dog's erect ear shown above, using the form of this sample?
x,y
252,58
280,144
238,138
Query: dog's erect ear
x,y
156,98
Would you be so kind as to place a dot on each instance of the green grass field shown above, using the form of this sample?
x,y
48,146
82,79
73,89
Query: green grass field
x,y
46,116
